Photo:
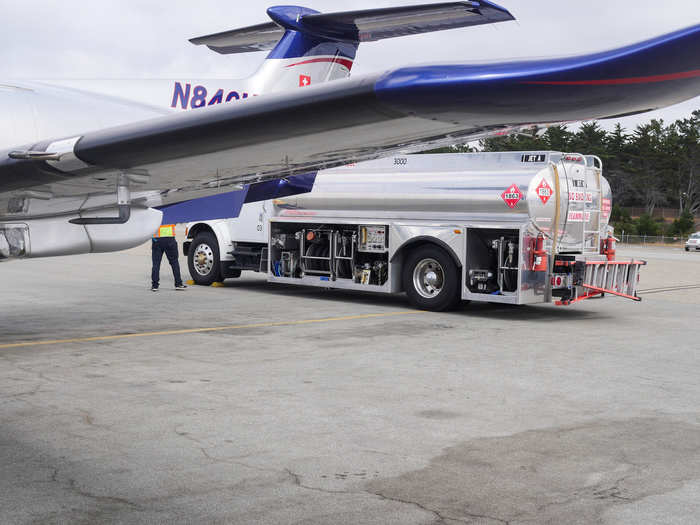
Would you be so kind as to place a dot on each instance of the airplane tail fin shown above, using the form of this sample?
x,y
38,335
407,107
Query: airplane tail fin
x,y
308,47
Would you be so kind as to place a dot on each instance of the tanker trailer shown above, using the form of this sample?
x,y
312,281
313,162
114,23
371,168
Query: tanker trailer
x,y
515,227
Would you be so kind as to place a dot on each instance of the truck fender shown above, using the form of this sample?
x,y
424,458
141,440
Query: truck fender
x,y
397,258
424,239
220,230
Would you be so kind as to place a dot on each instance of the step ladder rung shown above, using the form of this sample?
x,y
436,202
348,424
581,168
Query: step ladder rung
x,y
614,277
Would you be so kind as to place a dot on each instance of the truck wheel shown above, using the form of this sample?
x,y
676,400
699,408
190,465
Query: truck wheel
x,y
203,259
431,279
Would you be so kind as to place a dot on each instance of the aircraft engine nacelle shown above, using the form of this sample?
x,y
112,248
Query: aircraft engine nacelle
x,y
47,237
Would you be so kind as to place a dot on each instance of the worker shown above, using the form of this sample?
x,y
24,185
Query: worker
x,y
164,242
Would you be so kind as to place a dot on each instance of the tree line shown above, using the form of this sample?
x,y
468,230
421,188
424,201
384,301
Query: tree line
x,y
652,166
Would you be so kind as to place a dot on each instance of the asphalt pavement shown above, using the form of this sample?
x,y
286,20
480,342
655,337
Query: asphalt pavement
x,y
261,403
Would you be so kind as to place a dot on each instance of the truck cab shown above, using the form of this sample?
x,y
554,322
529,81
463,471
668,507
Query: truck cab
x,y
222,248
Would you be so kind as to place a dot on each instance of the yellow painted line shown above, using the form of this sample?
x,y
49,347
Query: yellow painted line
x,y
209,329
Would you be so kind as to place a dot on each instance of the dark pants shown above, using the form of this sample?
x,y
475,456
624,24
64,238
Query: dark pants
x,y
167,245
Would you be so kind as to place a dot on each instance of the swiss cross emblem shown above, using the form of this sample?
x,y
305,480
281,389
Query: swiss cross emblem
x,y
304,80
544,191
512,196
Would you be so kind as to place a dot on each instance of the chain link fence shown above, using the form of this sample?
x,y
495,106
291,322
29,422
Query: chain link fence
x,y
665,240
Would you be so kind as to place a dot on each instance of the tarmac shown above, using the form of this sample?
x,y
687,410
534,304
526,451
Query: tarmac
x,y
257,403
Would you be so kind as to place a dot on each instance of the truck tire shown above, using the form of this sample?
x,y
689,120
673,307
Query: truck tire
x,y
431,279
203,259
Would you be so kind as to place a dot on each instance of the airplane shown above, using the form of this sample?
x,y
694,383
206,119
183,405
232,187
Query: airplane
x,y
85,169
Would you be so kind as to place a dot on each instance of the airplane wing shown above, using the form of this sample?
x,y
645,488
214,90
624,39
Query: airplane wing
x,y
212,150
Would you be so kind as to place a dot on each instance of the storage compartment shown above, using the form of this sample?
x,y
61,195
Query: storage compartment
x,y
492,260
349,252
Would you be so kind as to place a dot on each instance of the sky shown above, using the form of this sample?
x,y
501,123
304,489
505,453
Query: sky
x,y
43,39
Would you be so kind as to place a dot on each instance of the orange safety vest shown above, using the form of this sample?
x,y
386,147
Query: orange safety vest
x,y
166,230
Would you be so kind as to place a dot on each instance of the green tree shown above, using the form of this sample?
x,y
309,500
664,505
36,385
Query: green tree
x,y
622,221
590,139
650,164
646,225
615,167
558,138
683,225
688,168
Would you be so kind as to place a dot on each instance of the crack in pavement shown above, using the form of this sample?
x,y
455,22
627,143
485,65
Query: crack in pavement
x,y
31,392
232,461
39,374
73,486
186,435
439,514
440,517
204,451
296,479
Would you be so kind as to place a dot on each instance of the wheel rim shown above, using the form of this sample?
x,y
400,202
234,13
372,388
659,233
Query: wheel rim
x,y
203,259
428,278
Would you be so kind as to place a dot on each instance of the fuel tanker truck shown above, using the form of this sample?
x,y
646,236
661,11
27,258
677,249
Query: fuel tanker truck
x,y
516,228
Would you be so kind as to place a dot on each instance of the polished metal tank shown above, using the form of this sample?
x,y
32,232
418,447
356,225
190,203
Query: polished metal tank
x,y
475,187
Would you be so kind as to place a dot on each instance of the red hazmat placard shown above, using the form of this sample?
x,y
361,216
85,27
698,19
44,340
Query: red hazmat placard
x,y
544,191
512,196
